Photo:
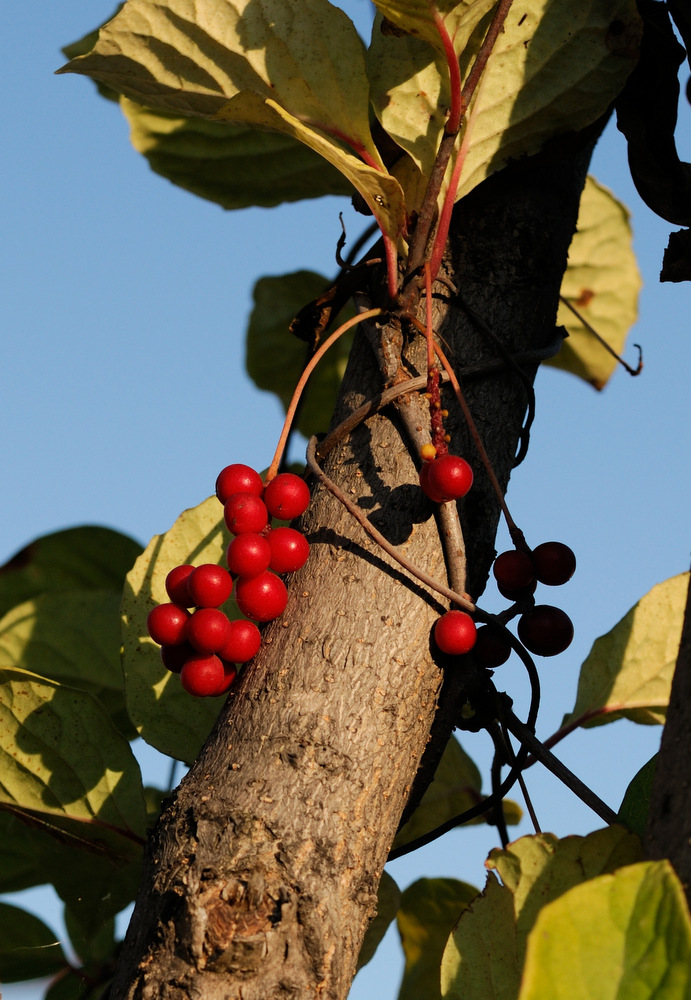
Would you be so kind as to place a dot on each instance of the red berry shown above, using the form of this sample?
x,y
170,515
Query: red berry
x,y
208,630
245,512
203,676
262,597
492,648
175,657
289,550
545,630
447,478
248,554
176,586
287,496
209,586
513,571
238,478
167,624
455,633
554,563
243,642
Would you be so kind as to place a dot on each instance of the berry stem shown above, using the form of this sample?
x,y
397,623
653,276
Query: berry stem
x,y
302,382
601,340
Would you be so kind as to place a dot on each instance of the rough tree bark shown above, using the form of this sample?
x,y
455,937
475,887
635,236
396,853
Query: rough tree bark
x,y
261,875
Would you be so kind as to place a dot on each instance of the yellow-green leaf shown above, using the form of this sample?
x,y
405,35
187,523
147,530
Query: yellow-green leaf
x,y
555,68
456,786
164,714
235,166
275,358
429,909
628,672
480,959
622,935
602,282
388,901
64,764
297,69
635,806
533,870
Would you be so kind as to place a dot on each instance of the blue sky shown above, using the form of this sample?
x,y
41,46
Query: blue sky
x,y
125,301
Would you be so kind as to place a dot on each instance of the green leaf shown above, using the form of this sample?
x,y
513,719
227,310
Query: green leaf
x,y
73,637
296,69
275,358
602,282
628,672
235,166
20,861
555,68
457,785
29,949
78,984
93,942
533,870
635,806
388,901
622,935
65,766
472,966
416,17
429,909
162,711
77,558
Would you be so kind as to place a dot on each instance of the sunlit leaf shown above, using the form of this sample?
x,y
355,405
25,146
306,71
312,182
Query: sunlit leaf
x,y
77,558
533,870
602,282
296,69
417,17
555,68
627,934
275,358
456,786
165,715
29,949
233,165
628,672
64,764
428,911
473,967
388,901
635,806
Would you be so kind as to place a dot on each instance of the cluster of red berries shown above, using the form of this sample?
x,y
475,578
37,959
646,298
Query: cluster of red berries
x,y
543,629
203,645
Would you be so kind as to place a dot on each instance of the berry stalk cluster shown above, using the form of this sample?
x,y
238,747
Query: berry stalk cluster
x,y
197,638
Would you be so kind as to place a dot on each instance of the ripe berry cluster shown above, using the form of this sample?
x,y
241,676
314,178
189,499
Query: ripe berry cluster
x,y
543,629
203,645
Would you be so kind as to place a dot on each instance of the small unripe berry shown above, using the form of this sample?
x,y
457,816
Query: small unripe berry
x,y
554,563
545,630
262,597
238,478
167,624
289,550
176,586
428,452
208,630
287,496
455,633
244,512
209,586
248,554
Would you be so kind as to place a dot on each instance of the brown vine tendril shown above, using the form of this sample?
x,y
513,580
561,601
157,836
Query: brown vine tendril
x,y
601,340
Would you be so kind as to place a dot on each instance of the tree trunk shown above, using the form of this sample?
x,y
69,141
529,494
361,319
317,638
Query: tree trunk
x,y
261,875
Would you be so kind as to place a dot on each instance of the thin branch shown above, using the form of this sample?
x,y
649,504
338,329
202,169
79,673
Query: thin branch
x,y
591,329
